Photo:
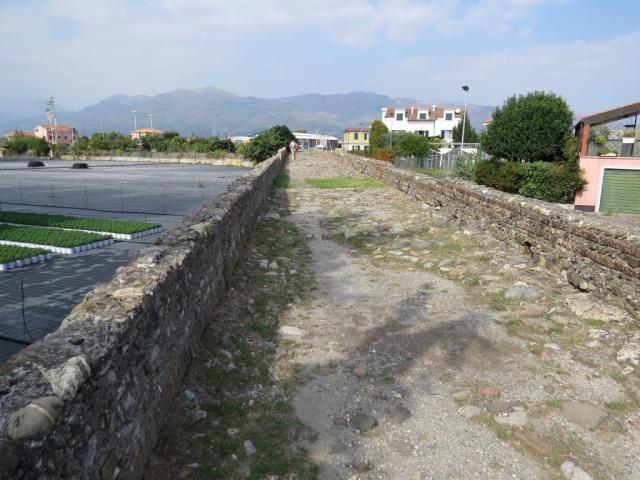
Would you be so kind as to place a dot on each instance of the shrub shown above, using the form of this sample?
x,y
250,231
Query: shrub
x,y
504,176
552,182
387,154
412,144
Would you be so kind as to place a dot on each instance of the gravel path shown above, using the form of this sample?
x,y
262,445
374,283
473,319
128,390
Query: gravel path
x,y
368,336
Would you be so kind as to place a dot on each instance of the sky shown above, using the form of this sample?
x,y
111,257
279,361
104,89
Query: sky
x,y
83,51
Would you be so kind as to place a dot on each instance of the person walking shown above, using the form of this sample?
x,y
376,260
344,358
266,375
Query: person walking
x,y
294,147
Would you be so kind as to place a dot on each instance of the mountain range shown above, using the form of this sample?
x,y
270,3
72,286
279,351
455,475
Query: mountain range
x,y
204,111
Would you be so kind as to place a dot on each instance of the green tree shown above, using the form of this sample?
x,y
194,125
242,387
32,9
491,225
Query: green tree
x,y
39,146
17,144
412,144
528,128
377,136
470,134
267,143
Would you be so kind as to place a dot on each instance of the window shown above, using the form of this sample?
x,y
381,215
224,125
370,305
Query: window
x,y
355,136
423,116
446,134
366,147
366,136
357,147
399,116
448,116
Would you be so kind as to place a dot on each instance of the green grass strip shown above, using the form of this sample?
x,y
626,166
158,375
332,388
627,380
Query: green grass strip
x,y
48,236
11,253
77,223
344,182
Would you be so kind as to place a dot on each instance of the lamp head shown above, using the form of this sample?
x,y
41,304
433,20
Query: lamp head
x,y
465,88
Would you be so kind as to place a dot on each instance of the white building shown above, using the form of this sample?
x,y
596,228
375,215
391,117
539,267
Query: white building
x,y
315,140
431,121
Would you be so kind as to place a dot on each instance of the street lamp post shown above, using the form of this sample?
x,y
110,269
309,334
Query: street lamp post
x,y
464,116
151,120
135,120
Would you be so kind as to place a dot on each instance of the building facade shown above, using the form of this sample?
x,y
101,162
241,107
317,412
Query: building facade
x,y
143,132
315,140
67,135
356,139
432,121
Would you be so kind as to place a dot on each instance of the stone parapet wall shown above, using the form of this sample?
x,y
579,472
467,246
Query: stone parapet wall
x,y
89,400
594,254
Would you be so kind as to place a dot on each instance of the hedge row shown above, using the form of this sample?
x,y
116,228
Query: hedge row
x,y
552,182
11,253
63,221
48,236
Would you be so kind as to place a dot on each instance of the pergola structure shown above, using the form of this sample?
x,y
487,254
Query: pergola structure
x,y
583,127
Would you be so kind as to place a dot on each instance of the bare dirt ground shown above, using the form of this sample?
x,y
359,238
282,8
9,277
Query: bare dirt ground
x,y
367,336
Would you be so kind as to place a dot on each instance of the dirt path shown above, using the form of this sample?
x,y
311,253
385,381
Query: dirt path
x,y
368,336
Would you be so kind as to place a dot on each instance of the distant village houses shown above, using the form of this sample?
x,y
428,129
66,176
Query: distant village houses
x,y
143,132
356,139
431,121
67,135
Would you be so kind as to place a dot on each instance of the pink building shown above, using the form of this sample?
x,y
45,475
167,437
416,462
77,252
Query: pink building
x,y
613,182
66,134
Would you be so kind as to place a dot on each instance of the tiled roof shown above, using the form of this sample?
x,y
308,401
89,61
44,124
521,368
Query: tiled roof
x,y
357,130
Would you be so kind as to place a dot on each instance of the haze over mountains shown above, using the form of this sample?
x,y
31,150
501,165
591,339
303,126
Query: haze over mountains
x,y
203,110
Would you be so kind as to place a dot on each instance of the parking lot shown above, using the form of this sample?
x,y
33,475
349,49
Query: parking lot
x,y
159,193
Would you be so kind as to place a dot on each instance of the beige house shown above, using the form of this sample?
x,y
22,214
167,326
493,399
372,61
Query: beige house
x,y
143,132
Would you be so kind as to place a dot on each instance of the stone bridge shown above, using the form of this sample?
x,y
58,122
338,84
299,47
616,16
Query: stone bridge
x,y
356,321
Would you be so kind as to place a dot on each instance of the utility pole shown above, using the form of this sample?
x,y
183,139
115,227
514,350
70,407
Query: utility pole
x,y
53,124
135,120
151,120
464,116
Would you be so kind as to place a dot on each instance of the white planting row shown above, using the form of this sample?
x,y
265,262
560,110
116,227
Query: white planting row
x,y
25,261
68,251
117,236
131,236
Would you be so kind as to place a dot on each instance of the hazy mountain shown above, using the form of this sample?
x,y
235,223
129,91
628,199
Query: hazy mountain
x,y
202,110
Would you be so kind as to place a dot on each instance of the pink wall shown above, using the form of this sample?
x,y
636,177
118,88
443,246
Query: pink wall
x,y
592,172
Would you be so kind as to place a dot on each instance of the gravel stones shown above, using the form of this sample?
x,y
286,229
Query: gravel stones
x,y
583,414
399,415
36,420
517,418
470,411
364,423
586,305
521,292
359,372
534,442
289,331
573,472
489,392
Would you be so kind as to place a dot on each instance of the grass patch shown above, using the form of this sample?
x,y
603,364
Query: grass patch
x,y
76,223
620,407
282,181
388,380
513,326
553,403
594,322
344,182
500,303
557,329
434,172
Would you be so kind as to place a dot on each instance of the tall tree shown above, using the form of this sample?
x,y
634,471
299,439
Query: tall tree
x,y
377,136
470,134
529,128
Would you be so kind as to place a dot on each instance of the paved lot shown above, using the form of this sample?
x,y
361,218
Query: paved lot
x,y
152,192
